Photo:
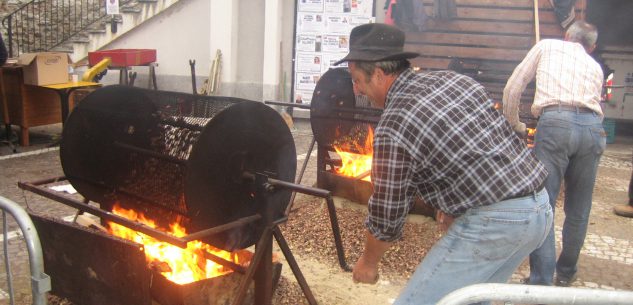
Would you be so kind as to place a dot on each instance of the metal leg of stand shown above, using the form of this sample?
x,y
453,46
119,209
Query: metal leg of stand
x,y
123,77
152,77
336,231
254,265
294,266
8,138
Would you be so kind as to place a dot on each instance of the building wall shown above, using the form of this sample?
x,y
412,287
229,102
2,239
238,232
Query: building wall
x,y
178,34
253,67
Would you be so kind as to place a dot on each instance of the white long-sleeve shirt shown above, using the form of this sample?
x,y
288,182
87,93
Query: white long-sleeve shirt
x,y
564,73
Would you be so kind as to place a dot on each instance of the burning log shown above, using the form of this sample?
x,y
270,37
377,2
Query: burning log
x,y
363,175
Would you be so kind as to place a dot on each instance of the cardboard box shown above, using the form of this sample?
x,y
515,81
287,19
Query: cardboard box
x,y
44,68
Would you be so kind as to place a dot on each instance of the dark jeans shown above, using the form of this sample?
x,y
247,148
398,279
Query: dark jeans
x,y
569,144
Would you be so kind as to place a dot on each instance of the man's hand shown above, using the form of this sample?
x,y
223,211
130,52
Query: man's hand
x,y
364,272
366,268
520,129
444,221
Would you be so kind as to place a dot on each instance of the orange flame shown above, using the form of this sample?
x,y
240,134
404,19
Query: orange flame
x,y
530,137
355,165
531,132
182,266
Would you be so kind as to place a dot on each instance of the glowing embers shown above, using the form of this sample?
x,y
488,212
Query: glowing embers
x,y
530,137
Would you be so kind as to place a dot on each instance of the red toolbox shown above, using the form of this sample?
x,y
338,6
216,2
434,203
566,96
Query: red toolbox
x,y
123,57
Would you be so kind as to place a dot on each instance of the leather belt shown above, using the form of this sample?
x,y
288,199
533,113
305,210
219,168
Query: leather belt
x,y
567,108
524,194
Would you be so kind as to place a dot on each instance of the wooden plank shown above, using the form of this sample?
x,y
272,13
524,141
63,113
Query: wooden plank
x,y
507,10
499,13
502,41
467,52
435,63
515,4
430,63
545,16
491,27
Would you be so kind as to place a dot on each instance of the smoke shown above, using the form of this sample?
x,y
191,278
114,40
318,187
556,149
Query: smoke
x,y
613,19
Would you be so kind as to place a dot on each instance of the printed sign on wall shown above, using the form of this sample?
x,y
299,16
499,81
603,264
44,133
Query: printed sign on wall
x,y
322,38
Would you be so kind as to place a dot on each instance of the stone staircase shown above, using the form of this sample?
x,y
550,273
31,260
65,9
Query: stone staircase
x,y
131,15
106,30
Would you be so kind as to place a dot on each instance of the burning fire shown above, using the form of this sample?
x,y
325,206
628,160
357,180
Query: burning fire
x,y
530,137
357,165
181,266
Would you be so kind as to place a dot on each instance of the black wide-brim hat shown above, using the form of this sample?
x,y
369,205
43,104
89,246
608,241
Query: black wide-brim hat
x,y
376,42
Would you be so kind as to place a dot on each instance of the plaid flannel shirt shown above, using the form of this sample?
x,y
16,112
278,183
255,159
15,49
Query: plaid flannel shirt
x,y
440,138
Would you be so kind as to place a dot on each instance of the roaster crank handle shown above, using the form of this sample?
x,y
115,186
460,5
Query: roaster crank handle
x,y
327,195
302,106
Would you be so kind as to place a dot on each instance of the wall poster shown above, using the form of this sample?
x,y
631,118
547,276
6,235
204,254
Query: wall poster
x,y
322,38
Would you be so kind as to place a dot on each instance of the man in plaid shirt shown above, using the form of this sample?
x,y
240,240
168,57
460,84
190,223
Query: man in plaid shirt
x,y
440,138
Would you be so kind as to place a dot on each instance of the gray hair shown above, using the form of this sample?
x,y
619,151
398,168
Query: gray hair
x,y
584,33
389,66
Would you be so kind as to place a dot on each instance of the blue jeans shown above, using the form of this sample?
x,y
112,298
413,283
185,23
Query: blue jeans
x,y
485,245
570,145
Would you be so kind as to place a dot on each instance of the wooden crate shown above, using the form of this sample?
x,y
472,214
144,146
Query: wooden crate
x,y
488,37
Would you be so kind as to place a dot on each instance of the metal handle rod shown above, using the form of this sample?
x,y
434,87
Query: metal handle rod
x,y
357,110
291,186
334,116
40,281
532,294
104,214
221,228
617,86
295,105
176,241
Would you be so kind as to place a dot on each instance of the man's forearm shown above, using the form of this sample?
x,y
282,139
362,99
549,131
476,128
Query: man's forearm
x,y
374,249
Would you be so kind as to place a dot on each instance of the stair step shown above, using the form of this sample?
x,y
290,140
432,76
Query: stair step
x,y
147,1
64,49
132,10
96,31
79,40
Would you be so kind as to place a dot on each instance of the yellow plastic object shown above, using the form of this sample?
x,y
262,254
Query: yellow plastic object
x,y
90,74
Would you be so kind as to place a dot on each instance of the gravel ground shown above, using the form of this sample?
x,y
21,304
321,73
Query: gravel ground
x,y
606,261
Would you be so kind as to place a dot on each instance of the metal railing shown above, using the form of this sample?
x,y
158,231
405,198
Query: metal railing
x,y
42,25
532,294
40,281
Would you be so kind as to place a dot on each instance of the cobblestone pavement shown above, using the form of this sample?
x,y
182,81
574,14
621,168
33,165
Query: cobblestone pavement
x,y
606,260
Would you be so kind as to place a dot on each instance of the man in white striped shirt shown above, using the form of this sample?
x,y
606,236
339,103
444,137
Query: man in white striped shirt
x,y
569,138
